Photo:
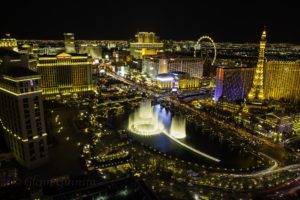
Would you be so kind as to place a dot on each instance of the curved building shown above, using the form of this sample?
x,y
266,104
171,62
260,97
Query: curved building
x,y
282,80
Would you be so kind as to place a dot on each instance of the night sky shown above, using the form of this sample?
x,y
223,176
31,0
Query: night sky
x,y
232,21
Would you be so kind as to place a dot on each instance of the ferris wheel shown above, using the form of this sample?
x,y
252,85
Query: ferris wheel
x,y
207,49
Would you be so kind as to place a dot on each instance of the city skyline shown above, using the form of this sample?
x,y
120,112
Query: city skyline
x,y
225,22
149,100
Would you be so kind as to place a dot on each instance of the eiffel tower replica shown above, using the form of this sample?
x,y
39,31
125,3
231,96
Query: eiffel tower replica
x,y
256,95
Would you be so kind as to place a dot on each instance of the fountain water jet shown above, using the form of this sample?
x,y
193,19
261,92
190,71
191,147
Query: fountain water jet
x,y
144,121
177,129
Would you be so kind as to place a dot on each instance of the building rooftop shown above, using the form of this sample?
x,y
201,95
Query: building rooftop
x,y
17,71
63,55
277,115
178,73
165,75
8,52
171,57
232,67
125,188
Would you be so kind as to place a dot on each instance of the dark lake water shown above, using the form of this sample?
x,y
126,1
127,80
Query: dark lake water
x,y
198,137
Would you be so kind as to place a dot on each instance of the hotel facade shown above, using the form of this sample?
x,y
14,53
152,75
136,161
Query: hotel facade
x,y
282,80
22,116
154,65
234,83
146,44
65,74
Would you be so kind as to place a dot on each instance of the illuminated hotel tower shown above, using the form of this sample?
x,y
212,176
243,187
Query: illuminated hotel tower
x,y
69,42
65,74
146,44
22,115
257,91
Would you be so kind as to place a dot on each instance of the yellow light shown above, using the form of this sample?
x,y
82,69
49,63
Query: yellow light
x,y
21,94
34,77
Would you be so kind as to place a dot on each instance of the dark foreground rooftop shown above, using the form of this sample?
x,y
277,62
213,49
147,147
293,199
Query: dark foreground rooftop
x,y
126,188
16,71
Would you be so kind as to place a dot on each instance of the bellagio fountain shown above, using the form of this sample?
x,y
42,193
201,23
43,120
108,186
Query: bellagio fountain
x,y
145,121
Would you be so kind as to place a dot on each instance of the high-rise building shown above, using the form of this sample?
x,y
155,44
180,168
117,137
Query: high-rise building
x,y
22,115
69,42
282,80
146,44
65,74
93,50
9,43
154,65
151,66
122,56
257,91
191,66
233,82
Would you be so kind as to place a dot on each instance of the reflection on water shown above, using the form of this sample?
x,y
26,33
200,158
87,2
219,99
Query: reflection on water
x,y
145,122
148,120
